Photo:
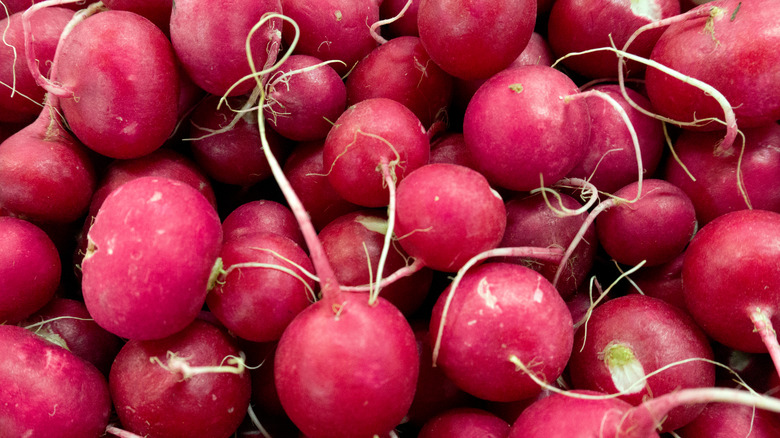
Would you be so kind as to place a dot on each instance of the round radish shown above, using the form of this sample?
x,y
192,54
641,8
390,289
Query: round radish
x,y
724,420
262,215
465,423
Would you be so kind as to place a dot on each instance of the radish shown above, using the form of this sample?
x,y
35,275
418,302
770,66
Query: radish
x,y
195,374
404,25
156,11
29,269
465,423
48,390
663,281
724,420
451,148
262,215
151,253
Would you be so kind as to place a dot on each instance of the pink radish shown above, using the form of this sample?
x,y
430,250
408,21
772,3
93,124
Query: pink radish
x,y
465,423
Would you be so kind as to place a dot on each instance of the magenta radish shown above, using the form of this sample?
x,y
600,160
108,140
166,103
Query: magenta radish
x,y
531,222
401,70
156,11
193,383
118,84
262,215
729,280
475,39
499,314
404,25
151,253
731,47
55,390
260,288
725,183
613,354
368,133
522,126
451,148
210,41
580,25
724,420
610,160
305,97
465,423
30,269
446,214
353,244
663,281
655,228
23,102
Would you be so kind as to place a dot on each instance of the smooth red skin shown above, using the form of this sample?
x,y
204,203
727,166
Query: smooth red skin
x,y
47,25
257,304
465,423
665,336
303,169
307,103
350,158
122,71
731,268
351,375
563,416
402,70
580,25
29,269
724,420
153,401
530,222
435,392
333,29
716,191
536,52
82,336
156,11
347,244
446,214
742,62
656,228
57,393
210,41
610,160
529,320
475,40
451,148
663,281
152,284
406,25
234,157
46,175
262,215
515,137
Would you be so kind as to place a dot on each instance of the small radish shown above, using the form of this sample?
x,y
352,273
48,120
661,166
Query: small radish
x,y
465,423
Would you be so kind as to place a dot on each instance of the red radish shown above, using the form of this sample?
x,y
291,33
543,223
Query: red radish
x,y
522,125
446,214
725,183
192,383
29,269
119,84
475,39
353,244
210,40
261,277
579,25
68,324
45,174
407,23
717,48
157,11
151,252
262,215
724,420
656,227
663,281
401,70
55,391
499,314
305,97
304,170
451,148
367,133
610,162
21,97
730,273
614,354
465,423
333,29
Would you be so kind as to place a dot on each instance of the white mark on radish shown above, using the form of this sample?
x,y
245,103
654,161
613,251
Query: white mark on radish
x,y
496,194
538,294
436,198
338,15
214,397
120,118
155,197
54,411
627,372
230,411
472,322
160,232
648,9
130,129
483,289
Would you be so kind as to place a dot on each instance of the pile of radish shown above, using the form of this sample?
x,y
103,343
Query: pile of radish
x,y
390,218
